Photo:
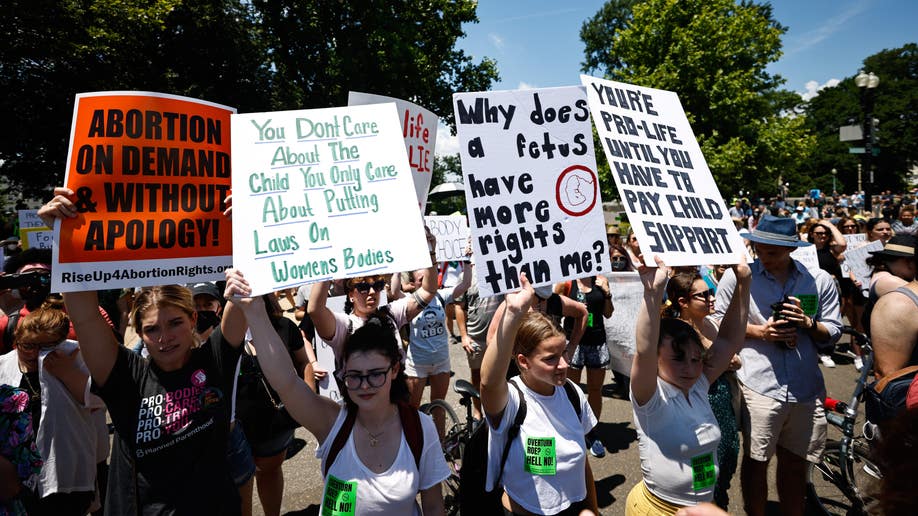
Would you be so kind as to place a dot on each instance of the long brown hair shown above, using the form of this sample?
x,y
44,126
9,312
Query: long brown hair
x,y
535,328
49,323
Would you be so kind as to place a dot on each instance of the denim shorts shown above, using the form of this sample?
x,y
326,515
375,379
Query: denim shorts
x,y
239,457
275,444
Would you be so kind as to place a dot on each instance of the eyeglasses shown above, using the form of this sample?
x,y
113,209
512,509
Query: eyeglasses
x,y
363,287
618,258
374,379
849,226
819,233
704,296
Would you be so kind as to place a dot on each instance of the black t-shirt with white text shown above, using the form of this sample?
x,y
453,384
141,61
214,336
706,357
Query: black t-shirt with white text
x,y
169,453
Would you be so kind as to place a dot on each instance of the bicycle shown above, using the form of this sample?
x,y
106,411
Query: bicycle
x,y
455,438
837,484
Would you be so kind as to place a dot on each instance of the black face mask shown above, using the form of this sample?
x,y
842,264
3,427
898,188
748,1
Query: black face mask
x,y
619,266
206,319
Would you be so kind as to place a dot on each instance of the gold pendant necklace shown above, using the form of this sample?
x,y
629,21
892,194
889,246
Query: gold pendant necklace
x,y
374,438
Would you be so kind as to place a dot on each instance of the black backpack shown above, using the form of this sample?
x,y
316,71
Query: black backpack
x,y
473,474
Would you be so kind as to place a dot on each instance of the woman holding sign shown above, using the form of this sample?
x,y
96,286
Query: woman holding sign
x,y
377,453
171,412
670,379
546,470
363,301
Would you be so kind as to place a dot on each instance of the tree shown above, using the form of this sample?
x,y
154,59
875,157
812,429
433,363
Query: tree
x,y
254,55
896,109
713,54
400,48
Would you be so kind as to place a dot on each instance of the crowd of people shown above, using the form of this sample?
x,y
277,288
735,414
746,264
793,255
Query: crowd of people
x,y
726,375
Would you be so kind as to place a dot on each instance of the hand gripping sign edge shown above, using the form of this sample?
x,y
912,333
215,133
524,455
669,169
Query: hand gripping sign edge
x,y
561,183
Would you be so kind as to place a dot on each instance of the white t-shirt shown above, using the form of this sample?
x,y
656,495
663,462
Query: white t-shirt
x,y
551,440
678,441
393,491
398,309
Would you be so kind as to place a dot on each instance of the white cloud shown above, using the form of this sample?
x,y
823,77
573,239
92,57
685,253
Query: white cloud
x,y
813,88
526,86
496,40
446,143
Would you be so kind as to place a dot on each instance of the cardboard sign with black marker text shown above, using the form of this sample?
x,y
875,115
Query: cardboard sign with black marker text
x,y
531,186
664,182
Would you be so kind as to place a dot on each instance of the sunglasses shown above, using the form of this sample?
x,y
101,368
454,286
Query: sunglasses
x,y
363,287
32,346
618,258
374,379
819,233
849,226
704,296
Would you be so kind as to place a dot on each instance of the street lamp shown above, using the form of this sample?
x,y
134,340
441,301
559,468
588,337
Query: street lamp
x,y
834,173
867,82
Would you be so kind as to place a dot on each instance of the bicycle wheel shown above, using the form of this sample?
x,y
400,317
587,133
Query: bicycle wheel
x,y
828,493
440,408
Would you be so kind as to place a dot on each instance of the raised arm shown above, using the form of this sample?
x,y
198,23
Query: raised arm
x,y
233,323
578,312
496,360
315,413
732,332
422,297
838,245
647,332
322,317
98,342
602,283
465,281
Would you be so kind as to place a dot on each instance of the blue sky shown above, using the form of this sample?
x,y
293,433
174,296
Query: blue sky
x,y
537,43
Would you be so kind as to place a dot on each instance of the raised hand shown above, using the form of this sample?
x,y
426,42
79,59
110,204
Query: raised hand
x,y
59,207
654,278
521,300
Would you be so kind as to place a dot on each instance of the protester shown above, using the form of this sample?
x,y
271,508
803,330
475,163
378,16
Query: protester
x,y
905,224
670,380
619,258
20,461
551,427
208,305
894,331
374,459
473,318
879,229
363,301
70,431
427,361
830,248
780,380
257,408
690,299
592,353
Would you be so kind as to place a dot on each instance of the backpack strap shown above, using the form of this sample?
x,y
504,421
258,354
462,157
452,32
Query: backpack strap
x,y
414,433
340,438
513,431
573,397
881,384
411,425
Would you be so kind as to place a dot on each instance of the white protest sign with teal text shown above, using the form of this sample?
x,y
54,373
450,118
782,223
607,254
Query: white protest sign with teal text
x,y
321,194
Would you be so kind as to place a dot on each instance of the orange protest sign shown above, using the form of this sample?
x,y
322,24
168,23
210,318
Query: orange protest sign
x,y
150,172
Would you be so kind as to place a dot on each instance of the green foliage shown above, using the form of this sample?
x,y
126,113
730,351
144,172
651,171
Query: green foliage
x,y
713,54
253,55
895,106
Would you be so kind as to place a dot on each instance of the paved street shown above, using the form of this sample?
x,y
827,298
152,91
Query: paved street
x,y
615,474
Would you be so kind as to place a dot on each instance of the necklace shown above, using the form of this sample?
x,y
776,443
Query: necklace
x,y
34,394
374,438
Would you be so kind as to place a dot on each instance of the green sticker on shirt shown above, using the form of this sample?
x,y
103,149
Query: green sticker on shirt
x,y
540,455
809,303
340,497
589,320
704,474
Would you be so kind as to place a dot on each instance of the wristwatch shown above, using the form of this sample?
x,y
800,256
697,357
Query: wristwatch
x,y
812,324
